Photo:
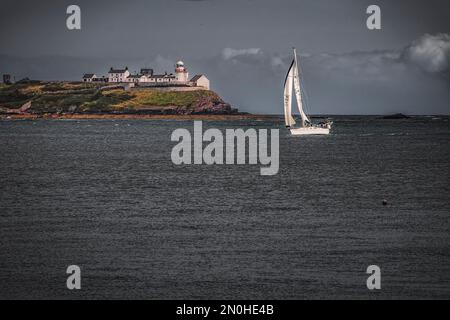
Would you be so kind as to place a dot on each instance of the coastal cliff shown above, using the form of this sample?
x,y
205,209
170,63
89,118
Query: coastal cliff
x,y
92,98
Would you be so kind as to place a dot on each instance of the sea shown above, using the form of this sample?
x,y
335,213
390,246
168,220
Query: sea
x,y
104,195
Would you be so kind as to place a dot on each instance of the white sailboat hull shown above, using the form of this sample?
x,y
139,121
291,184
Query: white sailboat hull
x,y
309,131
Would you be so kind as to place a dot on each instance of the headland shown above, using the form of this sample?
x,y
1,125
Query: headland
x,y
91,100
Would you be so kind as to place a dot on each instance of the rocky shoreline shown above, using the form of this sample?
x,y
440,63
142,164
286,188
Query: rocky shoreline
x,y
98,116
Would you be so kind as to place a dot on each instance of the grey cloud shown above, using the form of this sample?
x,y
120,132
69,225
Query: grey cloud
x,y
253,56
430,52
230,53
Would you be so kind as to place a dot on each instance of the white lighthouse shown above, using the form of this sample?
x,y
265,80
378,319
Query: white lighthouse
x,y
181,73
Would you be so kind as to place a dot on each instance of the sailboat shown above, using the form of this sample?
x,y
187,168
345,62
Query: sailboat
x,y
306,127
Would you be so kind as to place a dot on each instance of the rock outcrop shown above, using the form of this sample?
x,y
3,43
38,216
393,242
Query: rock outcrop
x,y
210,104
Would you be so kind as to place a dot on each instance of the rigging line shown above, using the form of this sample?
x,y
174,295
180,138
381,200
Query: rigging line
x,y
306,101
305,95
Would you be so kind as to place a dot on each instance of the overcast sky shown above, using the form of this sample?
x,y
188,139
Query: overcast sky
x,y
244,48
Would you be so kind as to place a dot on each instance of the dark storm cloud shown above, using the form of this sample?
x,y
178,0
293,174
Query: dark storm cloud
x,y
244,46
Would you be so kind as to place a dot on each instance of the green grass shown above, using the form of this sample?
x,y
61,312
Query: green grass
x,y
165,98
105,101
12,95
84,97
62,86
58,102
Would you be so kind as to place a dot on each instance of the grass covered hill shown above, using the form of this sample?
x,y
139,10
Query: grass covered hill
x,y
79,97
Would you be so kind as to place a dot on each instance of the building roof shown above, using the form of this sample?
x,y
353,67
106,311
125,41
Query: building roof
x,y
88,75
162,76
117,70
197,76
146,70
134,76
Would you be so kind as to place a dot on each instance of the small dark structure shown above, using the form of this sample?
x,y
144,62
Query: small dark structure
x,y
146,71
7,79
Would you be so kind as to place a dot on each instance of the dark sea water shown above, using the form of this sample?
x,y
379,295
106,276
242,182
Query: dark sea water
x,y
105,195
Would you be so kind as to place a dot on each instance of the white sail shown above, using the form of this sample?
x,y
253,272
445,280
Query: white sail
x,y
288,119
297,91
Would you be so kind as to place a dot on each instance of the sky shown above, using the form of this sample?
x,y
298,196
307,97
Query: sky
x,y
244,48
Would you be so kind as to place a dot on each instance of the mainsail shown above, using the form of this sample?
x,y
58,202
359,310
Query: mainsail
x,y
292,78
288,119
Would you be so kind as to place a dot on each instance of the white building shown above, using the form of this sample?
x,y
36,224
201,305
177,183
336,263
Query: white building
x,y
89,77
118,75
135,78
163,78
200,80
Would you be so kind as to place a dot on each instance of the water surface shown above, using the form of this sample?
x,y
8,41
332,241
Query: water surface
x,y
104,195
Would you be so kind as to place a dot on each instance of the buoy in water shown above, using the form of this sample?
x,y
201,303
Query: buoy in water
x,y
384,202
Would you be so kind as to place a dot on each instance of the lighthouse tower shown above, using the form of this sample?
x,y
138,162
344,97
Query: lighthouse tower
x,y
181,73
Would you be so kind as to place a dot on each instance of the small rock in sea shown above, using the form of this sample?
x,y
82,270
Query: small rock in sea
x,y
396,116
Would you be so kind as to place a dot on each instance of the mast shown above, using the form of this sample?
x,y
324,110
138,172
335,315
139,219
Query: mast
x,y
297,90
